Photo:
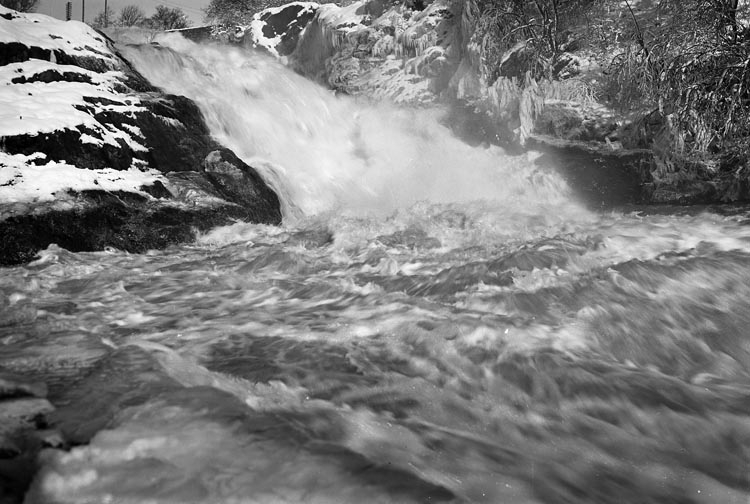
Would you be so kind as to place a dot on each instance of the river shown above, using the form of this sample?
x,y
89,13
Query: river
x,y
434,322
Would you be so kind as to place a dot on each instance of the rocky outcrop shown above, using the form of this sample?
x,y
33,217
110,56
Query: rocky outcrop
x,y
599,176
376,48
24,412
277,30
92,155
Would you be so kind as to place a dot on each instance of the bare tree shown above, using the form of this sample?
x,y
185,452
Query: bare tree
x,y
166,18
103,19
20,5
131,15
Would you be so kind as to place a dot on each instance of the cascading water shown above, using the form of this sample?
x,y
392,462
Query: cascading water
x,y
326,153
433,323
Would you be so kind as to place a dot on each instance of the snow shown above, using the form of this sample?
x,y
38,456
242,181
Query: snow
x,y
388,81
36,30
342,18
39,107
33,108
256,25
21,181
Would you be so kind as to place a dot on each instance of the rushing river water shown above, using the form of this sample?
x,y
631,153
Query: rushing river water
x,y
433,323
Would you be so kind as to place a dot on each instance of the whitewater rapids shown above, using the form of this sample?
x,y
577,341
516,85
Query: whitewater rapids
x,y
433,322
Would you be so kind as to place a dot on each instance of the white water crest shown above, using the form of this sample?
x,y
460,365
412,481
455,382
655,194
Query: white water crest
x,y
434,322
326,153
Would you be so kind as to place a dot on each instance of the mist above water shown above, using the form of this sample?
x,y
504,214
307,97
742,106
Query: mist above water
x,y
326,153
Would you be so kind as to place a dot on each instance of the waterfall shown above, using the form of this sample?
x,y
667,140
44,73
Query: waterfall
x,y
326,153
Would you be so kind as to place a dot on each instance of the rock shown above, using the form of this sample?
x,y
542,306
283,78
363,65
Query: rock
x,y
599,177
237,182
100,166
515,61
195,33
23,422
127,377
277,29
378,49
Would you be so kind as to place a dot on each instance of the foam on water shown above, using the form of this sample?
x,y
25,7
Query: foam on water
x,y
325,153
433,323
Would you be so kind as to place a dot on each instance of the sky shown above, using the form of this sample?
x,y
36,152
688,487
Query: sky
x,y
56,8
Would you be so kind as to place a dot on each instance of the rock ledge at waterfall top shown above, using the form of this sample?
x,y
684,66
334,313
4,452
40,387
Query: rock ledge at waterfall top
x,y
93,156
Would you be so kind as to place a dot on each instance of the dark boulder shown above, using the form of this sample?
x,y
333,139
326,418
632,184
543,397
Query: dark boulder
x,y
24,413
599,177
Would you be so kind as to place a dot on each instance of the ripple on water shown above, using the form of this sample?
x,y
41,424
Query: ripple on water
x,y
601,363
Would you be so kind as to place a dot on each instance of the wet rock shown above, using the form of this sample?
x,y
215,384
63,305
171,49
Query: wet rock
x,y
237,182
100,219
196,33
23,424
127,377
202,444
599,177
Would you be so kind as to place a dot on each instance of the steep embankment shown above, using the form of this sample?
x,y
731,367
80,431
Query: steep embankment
x,y
93,156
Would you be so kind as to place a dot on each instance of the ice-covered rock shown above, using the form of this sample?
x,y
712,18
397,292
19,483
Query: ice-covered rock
x,y
277,29
376,48
93,155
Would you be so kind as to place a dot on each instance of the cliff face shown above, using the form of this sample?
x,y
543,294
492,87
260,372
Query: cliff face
x,y
92,155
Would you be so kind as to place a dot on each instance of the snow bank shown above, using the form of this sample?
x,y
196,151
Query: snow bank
x,y
37,30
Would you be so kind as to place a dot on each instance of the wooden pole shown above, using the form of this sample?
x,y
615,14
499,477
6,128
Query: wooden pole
x,y
106,15
83,11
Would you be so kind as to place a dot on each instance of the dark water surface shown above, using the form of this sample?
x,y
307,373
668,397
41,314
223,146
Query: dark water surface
x,y
462,332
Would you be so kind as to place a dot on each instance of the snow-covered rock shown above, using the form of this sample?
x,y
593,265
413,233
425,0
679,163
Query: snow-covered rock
x,y
277,29
92,155
377,48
